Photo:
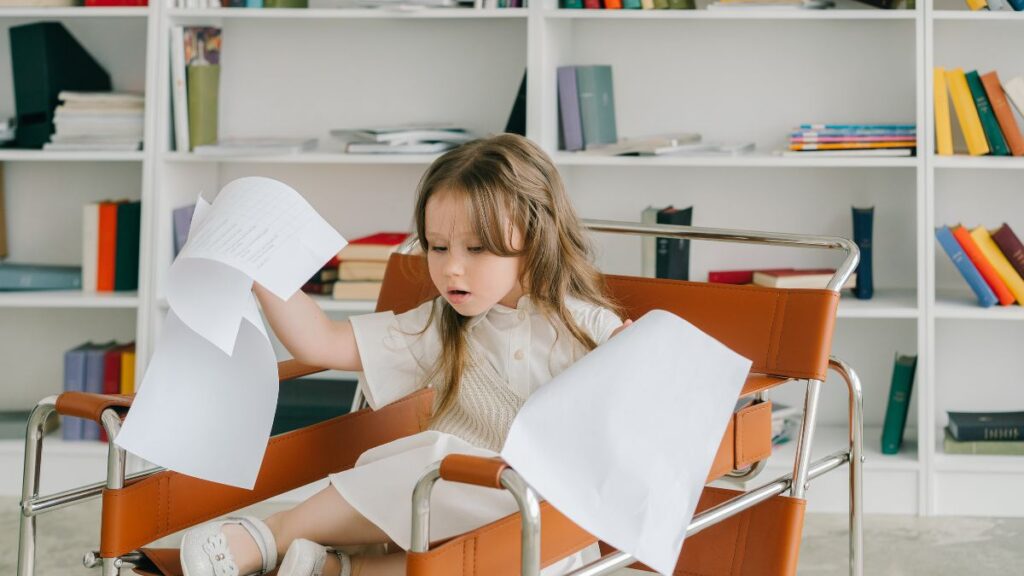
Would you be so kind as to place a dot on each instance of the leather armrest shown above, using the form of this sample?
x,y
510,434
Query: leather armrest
x,y
474,470
91,406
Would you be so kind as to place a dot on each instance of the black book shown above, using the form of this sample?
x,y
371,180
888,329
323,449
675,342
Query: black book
x,y
517,118
972,426
672,258
46,59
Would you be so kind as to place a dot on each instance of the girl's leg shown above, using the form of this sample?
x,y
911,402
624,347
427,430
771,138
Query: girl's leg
x,y
325,518
386,565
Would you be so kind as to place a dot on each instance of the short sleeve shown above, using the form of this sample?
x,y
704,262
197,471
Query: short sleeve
x,y
396,352
597,321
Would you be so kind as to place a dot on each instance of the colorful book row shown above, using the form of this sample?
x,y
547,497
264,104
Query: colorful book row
x,y
628,4
107,368
983,109
110,245
992,264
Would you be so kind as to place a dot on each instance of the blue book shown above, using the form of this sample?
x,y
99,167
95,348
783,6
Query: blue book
x,y
93,383
40,277
182,222
862,231
72,428
857,127
1017,5
970,273
569,109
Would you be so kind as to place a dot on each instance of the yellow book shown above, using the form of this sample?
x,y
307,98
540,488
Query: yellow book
x,y
977,4
943,125
1003,267
128,372
966,112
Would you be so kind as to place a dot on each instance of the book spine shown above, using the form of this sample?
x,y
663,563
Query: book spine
x,y
857,127
90,246
863,225
39,277
661,248
1003,267
899,403
679,248
203,87
1006,448
569,108
966,112
126,266
597,104
1010,246
984,266
943,124
107,247
74,381
1003,113
731,276
988,432
635,4
1017,5
996,142
179,91
853,145
613,4
985,295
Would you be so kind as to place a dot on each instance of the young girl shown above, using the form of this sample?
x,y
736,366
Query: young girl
x,y
519,302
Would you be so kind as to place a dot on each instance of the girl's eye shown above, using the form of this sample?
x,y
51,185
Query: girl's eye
x,y
438,249
475,249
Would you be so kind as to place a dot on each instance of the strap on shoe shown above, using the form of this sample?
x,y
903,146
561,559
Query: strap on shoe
x,y
346,563
263,537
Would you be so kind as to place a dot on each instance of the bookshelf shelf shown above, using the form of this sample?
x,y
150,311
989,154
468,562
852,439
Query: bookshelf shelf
x,y
307,158
978,16
755,160
867,13
68,299
76,12
886,303
979,162
185,15
975,463
828,439
964,306
14,155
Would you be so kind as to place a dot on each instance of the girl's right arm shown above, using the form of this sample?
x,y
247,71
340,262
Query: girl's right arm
x,y
308,334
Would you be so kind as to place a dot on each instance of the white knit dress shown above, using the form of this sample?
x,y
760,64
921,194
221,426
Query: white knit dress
x,y
512,351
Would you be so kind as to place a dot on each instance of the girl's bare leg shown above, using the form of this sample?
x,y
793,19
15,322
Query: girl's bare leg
x,y
325,518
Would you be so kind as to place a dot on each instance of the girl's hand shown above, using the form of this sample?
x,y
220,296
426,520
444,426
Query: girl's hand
x,y
620,328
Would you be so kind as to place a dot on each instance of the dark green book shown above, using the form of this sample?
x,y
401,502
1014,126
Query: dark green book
x,y
597,105
572,4
996,141
126,252
306,401
899,403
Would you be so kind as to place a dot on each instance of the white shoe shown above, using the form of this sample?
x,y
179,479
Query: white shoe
x,y
205,552
307,558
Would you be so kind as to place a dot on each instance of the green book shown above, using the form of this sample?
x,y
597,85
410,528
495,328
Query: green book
x,y
597,105
661,4
899,403
988,447
996,141
126,252
203,87
681,4
286,3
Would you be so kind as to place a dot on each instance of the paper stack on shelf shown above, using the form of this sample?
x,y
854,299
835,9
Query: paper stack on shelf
x,y
403,139
853,140
98,121
257,146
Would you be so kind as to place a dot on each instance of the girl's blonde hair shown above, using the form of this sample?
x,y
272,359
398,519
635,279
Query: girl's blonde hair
x,y
507,179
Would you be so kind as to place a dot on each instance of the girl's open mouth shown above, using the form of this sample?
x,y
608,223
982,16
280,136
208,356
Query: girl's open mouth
x,y
458,296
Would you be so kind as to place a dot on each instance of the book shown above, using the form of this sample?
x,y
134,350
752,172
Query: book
x,y
128,370
877,127
179,92
182,221
90,246
951,445
597,104
72,427
571,133
516,123
93,383
672,258
943,125
355,290
996,142
384,148
202,80
905,138
786,421
850,153
863,224
800,278
898,406
986,426
409,134
375,247
1014,89
357,270
853,145
112,375
966,112
256,146
967,268
571,4
16,277
1009,244
991,251
648,244
318,288
739,276
657,145
984,266
106,246
126,254
1003,113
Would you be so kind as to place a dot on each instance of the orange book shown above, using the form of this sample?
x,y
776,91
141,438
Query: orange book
x,y
1003,112
613,4
988,272
107,247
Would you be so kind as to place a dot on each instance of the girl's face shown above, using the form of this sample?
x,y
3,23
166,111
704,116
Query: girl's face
x,y
467,276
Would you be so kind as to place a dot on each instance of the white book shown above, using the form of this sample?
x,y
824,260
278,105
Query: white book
x,y
379,148
90,246
179,94
1014,88
410,136
839,153
256,146
103,97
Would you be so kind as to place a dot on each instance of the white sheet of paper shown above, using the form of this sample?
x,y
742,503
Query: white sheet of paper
x,y
201,412
621,442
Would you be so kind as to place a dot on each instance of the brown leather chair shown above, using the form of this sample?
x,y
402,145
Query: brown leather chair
x,y
787,334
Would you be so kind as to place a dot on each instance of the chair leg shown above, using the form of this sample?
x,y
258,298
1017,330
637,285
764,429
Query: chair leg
x,y
806,440
30,484
856,464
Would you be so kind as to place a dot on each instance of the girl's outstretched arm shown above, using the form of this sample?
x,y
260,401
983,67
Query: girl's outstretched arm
x,y
310,336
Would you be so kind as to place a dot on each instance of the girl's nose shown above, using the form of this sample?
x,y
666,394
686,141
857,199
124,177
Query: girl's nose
x,y
453,265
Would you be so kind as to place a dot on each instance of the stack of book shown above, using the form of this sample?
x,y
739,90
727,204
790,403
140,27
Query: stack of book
x,y
107,368
786,421
853,140
322,283
779,277
982,106
110,245
404,139
994,433
628,4
991,263
772,4
362,263
97,121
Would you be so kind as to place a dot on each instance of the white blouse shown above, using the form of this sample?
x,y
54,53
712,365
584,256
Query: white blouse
x,y
520,343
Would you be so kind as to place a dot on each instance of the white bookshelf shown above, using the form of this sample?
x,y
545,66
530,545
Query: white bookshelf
x,y
731,76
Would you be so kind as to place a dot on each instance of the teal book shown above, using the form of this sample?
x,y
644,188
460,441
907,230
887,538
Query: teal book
x,y
597,105
571,4
631,5
126,251
15,277
996,141
899,403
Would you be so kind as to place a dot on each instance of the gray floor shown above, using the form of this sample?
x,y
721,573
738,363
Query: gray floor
x,y
895,545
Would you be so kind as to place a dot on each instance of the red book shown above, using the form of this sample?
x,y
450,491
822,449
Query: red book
x,y
1010,246
592,4
117,2
107,247
738,276
112,375
377,246
988,272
